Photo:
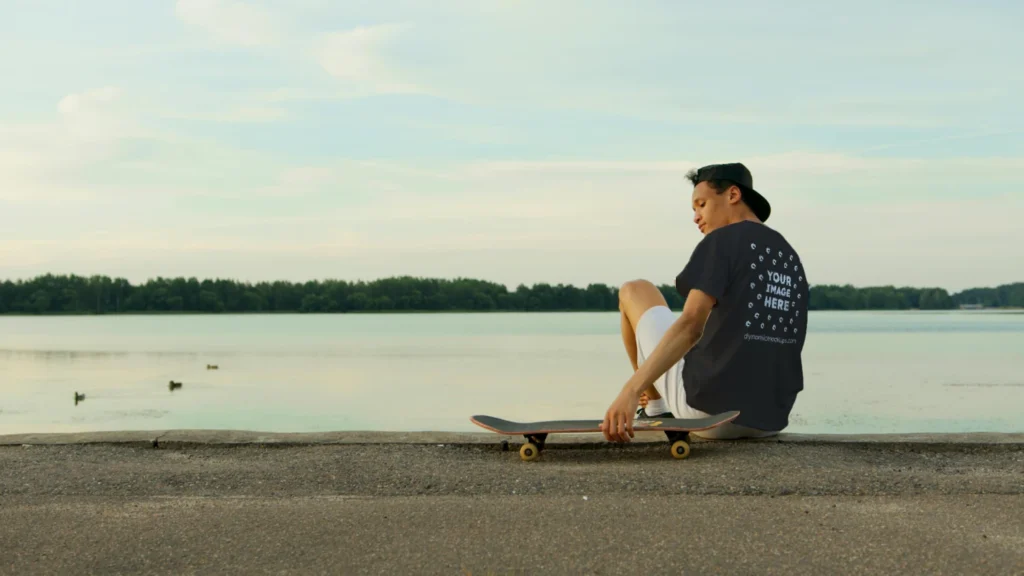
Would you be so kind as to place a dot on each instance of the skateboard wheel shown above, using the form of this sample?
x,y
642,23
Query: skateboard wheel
x,y
680,449
529,451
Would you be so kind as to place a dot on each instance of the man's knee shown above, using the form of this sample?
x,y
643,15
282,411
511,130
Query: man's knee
x,y
637,297
635,290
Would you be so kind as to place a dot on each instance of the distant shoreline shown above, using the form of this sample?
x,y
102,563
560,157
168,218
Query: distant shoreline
x,y
996,310
77,295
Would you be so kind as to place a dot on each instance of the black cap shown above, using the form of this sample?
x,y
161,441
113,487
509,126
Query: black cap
x,y
739,174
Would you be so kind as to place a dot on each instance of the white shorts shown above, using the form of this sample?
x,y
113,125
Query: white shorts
x,y
649,331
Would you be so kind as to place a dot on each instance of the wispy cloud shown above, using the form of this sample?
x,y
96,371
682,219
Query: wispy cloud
x,y
83,133
583,166
96,147
255,113
229,21
972,135
77,103
359,58
94,115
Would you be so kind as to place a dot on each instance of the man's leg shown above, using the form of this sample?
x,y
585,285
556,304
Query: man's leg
x,y
635,298
629,338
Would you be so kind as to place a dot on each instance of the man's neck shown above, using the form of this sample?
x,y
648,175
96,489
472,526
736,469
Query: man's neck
x,y
746,216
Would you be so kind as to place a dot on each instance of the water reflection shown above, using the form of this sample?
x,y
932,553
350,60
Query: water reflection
x,y
864,372
52,355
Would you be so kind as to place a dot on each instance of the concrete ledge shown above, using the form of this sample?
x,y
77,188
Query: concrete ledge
x,y
920,438
241,437
113,437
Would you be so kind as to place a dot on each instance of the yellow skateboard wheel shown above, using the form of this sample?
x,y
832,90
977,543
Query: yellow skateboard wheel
x,y
529,452
680,449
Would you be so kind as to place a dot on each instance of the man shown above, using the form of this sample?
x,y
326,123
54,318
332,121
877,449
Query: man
x,y
738,341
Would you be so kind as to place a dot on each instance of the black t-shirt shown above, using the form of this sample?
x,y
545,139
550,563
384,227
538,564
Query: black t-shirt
x,y
749,356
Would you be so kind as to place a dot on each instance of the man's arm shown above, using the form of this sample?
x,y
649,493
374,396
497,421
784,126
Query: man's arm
x,y
684,333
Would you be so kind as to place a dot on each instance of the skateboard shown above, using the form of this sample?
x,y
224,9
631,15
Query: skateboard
x,y
677,429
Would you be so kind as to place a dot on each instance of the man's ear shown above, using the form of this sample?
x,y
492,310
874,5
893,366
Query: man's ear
x,y
735,195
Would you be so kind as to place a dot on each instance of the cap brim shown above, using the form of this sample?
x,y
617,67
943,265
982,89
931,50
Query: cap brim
x,y
761,208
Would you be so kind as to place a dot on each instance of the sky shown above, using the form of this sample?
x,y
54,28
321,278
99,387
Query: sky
x,y
508,140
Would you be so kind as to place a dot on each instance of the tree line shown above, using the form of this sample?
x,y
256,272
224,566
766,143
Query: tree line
x,y
70,294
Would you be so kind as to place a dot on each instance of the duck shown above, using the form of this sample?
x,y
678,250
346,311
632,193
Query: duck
x,y
211,367
79,398
173,385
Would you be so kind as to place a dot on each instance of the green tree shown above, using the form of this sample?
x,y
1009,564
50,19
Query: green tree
x,y
252,301
40,302
358,301
672,297
210,302
935,299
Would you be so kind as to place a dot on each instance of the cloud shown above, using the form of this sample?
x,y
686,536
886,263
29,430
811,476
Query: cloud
x,y
583,166
97,148
823,178
94,118
256,113
94,247
229,21
925,223
39,160
359,58
906,204
908,77
87,101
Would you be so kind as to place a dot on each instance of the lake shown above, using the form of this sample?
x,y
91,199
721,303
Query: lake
x,y
865,372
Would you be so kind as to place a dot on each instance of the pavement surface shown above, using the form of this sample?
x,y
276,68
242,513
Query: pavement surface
x,y
807,506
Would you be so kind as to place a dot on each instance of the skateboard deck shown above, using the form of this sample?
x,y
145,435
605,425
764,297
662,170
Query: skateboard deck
x,y
677,430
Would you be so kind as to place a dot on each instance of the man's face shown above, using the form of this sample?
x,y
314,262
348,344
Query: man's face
x,y
711,209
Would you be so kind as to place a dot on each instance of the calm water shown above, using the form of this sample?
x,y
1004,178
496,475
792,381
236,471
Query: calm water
x,y
865,372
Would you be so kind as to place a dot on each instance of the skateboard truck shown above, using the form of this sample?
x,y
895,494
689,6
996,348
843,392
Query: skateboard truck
x,y
534,445
532,448
680,443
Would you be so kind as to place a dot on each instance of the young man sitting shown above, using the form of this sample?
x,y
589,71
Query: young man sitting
x,y
737,344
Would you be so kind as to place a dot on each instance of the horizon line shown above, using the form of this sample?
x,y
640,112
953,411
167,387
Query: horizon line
x,y
509,287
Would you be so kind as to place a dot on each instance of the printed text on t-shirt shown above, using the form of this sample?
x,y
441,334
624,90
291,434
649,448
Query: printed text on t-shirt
x,y
776,288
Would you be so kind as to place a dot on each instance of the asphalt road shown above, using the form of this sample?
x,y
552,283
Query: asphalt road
x,y
737,508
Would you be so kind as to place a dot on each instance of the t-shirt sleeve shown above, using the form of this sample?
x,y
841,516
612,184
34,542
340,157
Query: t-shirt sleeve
x,y
708,270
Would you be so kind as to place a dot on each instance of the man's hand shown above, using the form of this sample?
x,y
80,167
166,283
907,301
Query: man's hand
x,y
677,341
618,421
